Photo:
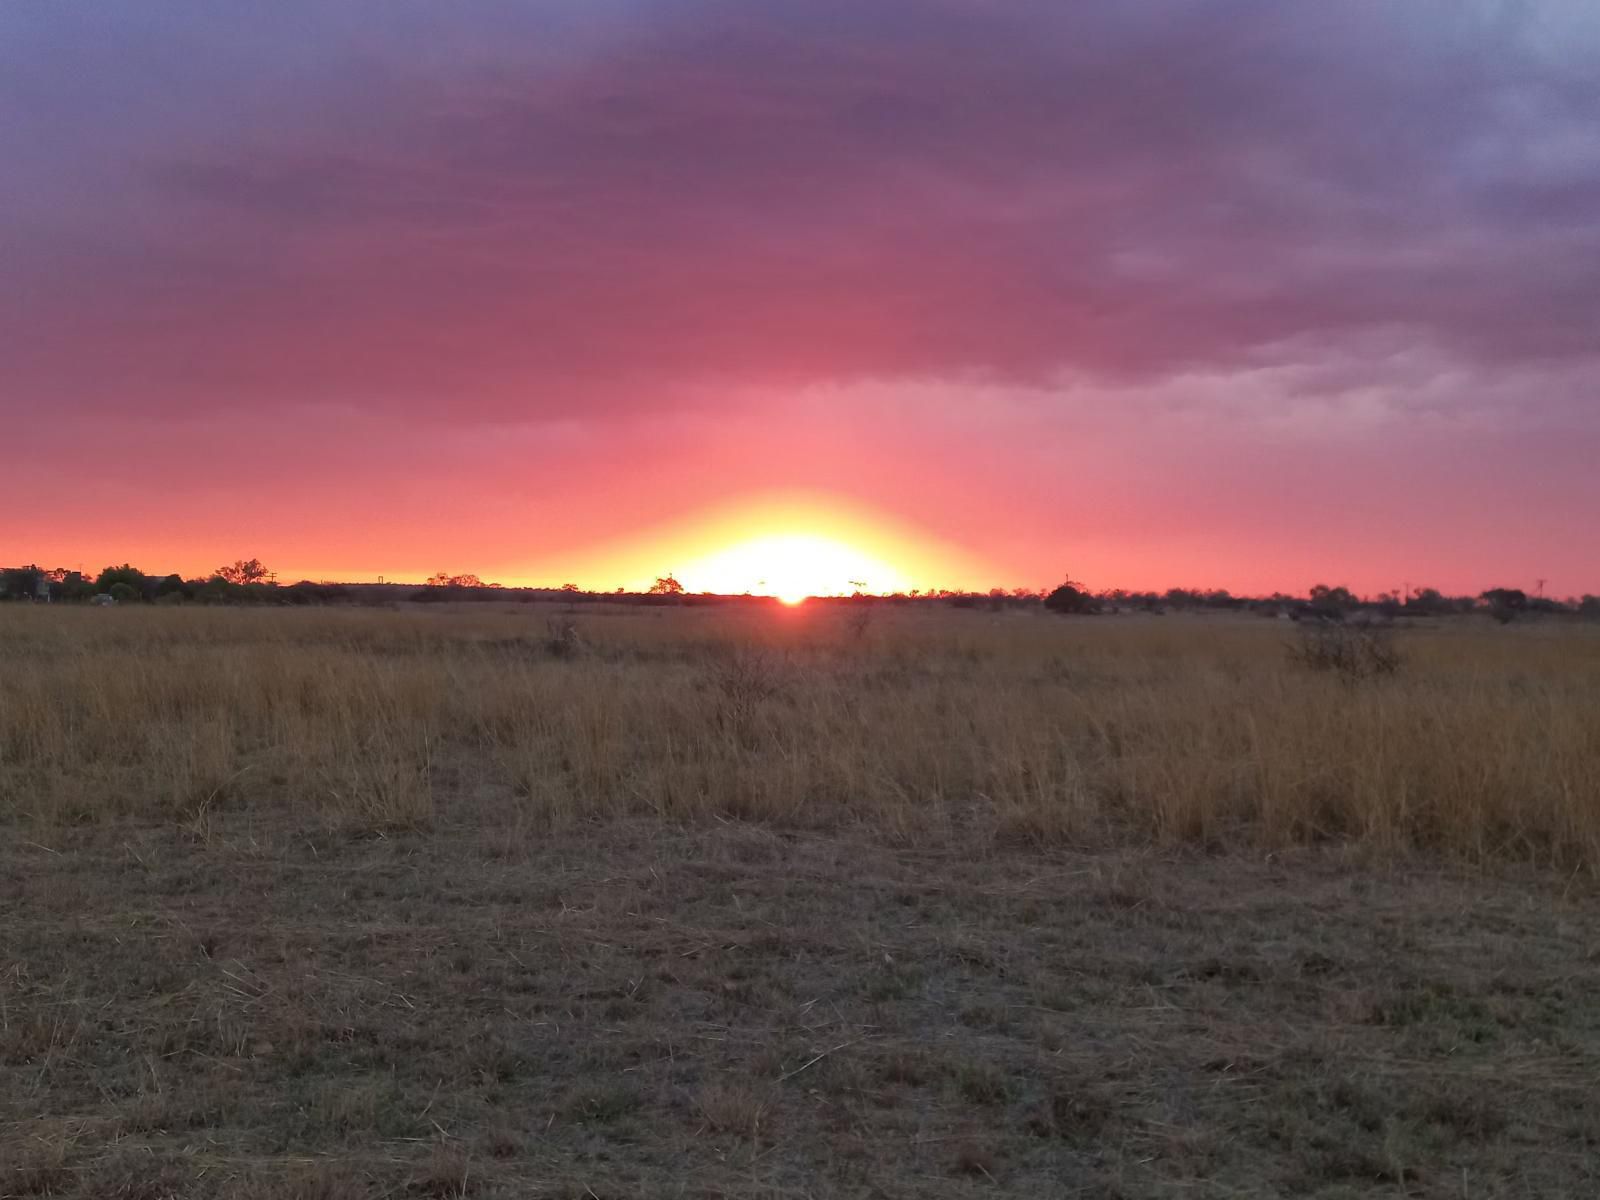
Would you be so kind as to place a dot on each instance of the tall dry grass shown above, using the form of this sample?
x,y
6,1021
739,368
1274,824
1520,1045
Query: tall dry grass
x,y
918,724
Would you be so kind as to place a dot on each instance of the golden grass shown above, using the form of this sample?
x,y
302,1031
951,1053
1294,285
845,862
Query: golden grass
x,y
919,724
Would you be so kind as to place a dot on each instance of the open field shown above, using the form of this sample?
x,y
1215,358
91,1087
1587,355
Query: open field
x,y
996,728
727,902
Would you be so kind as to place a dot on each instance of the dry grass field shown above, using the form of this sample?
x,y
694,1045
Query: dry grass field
x,y
791,903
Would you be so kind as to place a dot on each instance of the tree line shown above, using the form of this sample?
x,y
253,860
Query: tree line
x,y
251,581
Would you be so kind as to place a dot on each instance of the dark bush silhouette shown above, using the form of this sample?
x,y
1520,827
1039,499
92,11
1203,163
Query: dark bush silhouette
x,y
1072,600
1427,602
1505,604
1332,603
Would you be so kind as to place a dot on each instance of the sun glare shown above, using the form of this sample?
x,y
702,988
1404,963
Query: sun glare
x,y
788,545
791,567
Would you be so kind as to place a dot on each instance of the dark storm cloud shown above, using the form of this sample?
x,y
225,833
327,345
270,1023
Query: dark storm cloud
x,y
483,210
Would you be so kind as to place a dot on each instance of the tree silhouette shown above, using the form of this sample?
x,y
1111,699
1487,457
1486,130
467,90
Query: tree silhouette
x,y
666,585
244,571
21,581
126,573
1072,598
1332,602
1505,603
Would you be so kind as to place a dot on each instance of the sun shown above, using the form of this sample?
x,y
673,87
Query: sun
x,y
792,567
789,545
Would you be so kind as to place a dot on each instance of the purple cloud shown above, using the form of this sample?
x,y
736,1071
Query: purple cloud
x,y
484,211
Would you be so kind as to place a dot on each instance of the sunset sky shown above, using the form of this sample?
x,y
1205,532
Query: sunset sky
x,y
1247,293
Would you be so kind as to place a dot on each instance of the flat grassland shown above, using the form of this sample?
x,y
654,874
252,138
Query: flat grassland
x,y
742,901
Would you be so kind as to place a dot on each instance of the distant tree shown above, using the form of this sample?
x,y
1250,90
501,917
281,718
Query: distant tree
x,y
129,575
1071,598
20,582
123,592
666,585
1426,601
569,587
215,590
1589,607
244,571
171,585
1332,602
1505,604
444,579
75,587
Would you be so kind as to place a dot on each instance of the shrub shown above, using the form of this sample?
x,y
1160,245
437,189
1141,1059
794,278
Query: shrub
x,y
1353,652
561,639
743,683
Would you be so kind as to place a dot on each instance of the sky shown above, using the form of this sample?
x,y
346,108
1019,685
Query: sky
x,y
1237,293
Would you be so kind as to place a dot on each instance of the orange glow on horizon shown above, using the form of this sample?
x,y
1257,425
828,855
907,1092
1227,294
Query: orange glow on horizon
x,y
792,566
788,546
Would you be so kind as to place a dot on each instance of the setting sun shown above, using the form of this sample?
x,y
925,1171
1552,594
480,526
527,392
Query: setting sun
x,y
792,566
788,545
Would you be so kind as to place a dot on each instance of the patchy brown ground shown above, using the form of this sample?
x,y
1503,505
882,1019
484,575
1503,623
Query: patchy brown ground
x,y
628,1009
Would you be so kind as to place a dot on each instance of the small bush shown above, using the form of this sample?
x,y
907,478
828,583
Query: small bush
x,y
743,683
562,640
1353,652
